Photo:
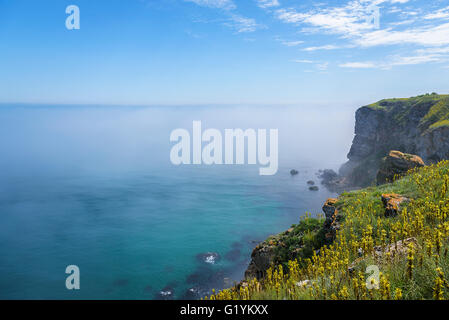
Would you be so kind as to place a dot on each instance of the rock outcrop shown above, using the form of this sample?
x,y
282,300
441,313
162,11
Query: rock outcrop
x,y
331,224
418,126
262,258
396,164
392,203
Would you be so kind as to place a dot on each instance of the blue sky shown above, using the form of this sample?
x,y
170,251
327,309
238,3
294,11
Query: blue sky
x,y
222,51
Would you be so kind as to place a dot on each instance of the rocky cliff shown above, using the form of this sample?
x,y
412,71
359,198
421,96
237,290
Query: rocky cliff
x,y
418,125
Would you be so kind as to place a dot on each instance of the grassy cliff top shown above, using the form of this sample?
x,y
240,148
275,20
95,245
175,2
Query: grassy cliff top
x,y
437,105
419,269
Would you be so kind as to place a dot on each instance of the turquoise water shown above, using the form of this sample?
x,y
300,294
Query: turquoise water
x,y
94,187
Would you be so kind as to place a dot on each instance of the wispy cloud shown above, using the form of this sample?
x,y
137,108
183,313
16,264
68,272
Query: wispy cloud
x,y
221,4
322,66
292,43
425,36
242,24
303,61
439,14
351,24
234,20
394,61
267,3
325,47
358,65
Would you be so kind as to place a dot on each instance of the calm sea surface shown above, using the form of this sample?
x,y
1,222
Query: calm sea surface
x,y
94,187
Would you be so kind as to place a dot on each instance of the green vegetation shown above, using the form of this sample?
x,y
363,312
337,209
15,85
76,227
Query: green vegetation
x,y
299,241
410,250
435,107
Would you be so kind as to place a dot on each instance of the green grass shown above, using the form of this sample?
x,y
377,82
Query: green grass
x,y
400,109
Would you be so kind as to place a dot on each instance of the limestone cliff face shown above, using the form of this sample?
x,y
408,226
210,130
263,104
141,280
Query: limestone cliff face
x,y
418,125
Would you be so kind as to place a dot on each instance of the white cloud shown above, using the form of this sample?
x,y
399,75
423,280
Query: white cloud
x,y
221,4
403,22
242,24
440,14
264,4
292,43
239,23
394,61
358,65
303,61
325,47
322,66
348,20
424,36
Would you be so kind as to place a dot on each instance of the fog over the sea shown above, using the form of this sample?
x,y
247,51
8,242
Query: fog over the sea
x,y
95,187
38,139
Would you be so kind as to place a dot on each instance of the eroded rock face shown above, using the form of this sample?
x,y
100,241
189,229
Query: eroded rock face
x,y
261,259
395,124
331,224
397,164
392,203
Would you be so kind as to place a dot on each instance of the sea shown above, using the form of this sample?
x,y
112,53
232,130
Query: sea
x,y
93,186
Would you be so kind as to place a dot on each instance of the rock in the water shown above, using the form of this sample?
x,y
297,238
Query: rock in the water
x,y
314,188
332,180
209,257
397,164
294,172
165,294
311,183
328,175
392,203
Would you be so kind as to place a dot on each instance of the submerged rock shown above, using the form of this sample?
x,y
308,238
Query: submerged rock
x,y
208,257
165,294
233,255
396,164
294,172
314,188
120,283
311,183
